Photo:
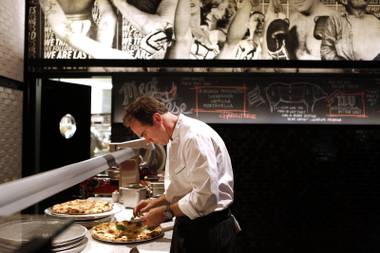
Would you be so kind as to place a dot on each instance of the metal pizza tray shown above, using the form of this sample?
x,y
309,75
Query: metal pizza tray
x,y
129,242
15,233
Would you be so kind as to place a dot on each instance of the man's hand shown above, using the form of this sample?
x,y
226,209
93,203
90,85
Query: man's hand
x,y
143,206
158,40
154,216
146,204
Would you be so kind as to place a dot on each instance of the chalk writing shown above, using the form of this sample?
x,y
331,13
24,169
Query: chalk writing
x,y
239,99
306,94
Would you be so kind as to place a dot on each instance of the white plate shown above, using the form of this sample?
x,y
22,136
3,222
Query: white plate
x,y
116,207
75,249
71,246
71,234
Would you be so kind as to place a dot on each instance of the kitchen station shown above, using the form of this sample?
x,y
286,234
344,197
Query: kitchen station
x,y
103,223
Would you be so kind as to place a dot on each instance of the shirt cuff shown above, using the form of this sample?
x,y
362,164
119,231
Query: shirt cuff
x,y
185,206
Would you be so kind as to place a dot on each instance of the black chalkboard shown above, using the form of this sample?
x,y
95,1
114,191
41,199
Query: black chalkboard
x,y
243,98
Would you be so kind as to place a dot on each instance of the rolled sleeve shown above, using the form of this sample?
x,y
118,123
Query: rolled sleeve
x,y
201,162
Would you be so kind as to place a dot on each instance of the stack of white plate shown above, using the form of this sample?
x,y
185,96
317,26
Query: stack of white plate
x,y
16,233
71,240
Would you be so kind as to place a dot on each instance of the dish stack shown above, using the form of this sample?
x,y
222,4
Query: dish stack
x,y
72,240
17,233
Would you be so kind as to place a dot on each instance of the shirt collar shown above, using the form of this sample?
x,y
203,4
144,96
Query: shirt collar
x,y
176,128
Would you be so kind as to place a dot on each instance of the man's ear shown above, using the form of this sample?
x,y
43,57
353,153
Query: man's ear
x,y
157,117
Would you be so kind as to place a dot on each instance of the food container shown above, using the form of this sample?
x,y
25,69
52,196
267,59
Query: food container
x,y
99,186
157,188
131,196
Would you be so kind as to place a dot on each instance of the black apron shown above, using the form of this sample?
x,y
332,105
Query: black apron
x,y
213,233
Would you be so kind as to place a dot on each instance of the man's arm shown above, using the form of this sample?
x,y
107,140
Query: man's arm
x,y
181,45
55,17
236,30
106,23
62,28
202,168
146,22
239,24
329,40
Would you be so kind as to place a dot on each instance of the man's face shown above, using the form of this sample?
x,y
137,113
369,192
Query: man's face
x,y
257,21
155,133
303,6
220,10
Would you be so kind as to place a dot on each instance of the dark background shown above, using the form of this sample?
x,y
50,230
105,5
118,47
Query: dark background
x,y
303,188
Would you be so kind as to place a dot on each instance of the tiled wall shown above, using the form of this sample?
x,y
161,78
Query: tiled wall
x,y
10,133
12,16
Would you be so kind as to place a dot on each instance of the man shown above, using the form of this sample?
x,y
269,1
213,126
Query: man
x,y
198,179
200,38
149,26
300,41
354,35
71,21
244,34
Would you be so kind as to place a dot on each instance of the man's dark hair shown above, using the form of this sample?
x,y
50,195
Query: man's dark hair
x,y
142,109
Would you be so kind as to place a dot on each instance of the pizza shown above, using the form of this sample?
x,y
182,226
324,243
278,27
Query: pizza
x,y
125,232
82,206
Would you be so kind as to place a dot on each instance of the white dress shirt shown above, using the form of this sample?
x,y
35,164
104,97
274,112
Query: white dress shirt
x,y
198,172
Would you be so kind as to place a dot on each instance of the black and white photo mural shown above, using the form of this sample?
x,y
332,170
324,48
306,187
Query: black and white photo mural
x,y
205,29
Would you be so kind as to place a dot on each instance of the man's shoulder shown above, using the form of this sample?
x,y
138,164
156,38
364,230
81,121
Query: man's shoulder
x,y
193,126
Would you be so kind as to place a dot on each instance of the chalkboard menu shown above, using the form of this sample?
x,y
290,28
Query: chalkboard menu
x,y
254,99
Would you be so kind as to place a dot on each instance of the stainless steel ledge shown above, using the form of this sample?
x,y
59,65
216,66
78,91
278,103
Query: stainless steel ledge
x,y
19,194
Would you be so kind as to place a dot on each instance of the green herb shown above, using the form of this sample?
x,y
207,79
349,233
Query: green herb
x,y
121,227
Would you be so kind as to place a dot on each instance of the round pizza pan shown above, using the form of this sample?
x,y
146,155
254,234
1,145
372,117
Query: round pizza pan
x,y
21,231
15,233
127,242
116,207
